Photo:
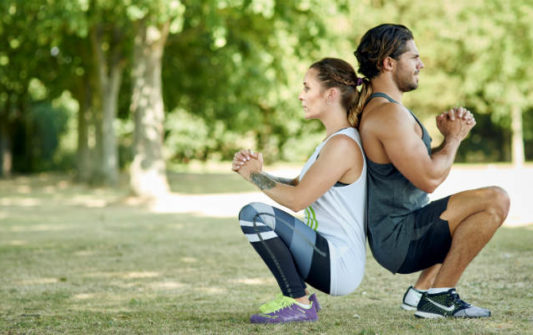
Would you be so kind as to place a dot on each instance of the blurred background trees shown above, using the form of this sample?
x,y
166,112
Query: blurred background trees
x,y
104,86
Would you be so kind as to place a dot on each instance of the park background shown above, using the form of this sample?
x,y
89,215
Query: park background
x,y
118,119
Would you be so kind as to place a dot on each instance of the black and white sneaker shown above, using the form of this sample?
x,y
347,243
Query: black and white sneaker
x,y
411,298
447,304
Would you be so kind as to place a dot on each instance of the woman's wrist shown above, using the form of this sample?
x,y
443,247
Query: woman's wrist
x,y
261,180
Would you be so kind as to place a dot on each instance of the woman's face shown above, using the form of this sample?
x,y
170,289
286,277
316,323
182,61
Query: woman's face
x,y
313,95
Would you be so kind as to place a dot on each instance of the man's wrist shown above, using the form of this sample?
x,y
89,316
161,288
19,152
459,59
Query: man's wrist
x,y
452,140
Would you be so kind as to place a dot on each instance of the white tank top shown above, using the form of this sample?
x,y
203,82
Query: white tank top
x,y
339,216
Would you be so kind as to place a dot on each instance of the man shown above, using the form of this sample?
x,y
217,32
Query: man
x,y
406,233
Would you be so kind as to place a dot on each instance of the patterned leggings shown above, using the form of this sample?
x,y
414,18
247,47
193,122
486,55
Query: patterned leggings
x,y
294,253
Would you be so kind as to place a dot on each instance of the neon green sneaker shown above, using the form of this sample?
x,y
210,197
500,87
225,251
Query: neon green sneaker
x,y
271,305
284,309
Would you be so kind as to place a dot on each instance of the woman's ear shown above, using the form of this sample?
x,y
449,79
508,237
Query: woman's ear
x,y
331,94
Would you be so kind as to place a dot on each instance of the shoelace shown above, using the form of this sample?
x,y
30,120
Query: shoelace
x,y
456,300
267,307
278,303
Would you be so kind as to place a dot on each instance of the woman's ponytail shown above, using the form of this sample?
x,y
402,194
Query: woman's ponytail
x,y
359,101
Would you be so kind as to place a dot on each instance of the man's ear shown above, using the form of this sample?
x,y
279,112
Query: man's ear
x,y
388,64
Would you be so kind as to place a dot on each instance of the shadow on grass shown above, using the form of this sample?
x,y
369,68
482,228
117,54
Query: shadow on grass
x,y
208,183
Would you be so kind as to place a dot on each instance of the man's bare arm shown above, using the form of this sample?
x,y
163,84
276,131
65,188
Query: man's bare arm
x,y
408,153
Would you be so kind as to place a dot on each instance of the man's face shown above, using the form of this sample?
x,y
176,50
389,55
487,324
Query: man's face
x,y
408,65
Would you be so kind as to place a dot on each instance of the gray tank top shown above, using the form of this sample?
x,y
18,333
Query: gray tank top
x,y
392,199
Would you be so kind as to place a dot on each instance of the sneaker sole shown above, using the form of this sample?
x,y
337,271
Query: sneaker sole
x,y
282,322
425,315
408,307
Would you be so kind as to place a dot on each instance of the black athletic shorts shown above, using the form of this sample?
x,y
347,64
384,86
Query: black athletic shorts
x,y
432,246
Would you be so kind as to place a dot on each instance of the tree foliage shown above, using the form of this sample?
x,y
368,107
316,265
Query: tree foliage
x,y
232,69
240,68
27,58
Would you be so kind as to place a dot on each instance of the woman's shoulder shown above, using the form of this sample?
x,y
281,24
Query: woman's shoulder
x,y
350,132
345,146
342,143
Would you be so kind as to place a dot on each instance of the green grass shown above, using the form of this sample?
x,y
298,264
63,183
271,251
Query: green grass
x,y
75,260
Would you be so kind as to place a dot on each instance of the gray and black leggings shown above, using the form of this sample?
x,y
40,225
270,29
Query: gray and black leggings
x,y
294,253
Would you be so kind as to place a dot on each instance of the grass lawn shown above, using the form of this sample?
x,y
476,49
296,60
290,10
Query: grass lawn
x,y
75,260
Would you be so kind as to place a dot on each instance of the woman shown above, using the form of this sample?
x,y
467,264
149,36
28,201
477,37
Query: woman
x,y
328,250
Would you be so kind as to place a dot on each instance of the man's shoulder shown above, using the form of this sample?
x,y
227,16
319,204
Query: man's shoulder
x,y
384,117
385,110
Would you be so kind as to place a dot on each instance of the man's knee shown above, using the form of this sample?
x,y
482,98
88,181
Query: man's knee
x,y
498,203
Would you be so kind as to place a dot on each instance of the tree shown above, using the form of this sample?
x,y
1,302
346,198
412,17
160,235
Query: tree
x,y
233,64
236,68
108,33
72,45
25,55
498,46
95,35
15,44
153,21
232,70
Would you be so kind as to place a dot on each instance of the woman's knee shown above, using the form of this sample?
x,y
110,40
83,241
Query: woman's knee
x,y
247,212
257,212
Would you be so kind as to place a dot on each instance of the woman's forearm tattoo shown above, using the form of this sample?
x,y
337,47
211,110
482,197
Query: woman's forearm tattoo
x,y
262,181
281,180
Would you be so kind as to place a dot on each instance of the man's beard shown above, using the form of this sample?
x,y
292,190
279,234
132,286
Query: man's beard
x,y
408,87
405,85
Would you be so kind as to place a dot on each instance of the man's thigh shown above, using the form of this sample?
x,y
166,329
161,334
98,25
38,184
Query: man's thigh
x,y
431,239
464,204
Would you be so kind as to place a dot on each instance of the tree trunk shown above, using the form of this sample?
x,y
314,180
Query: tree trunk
x,y
97,155
83,154
6,160
109,71
148,175
517,136
109,140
